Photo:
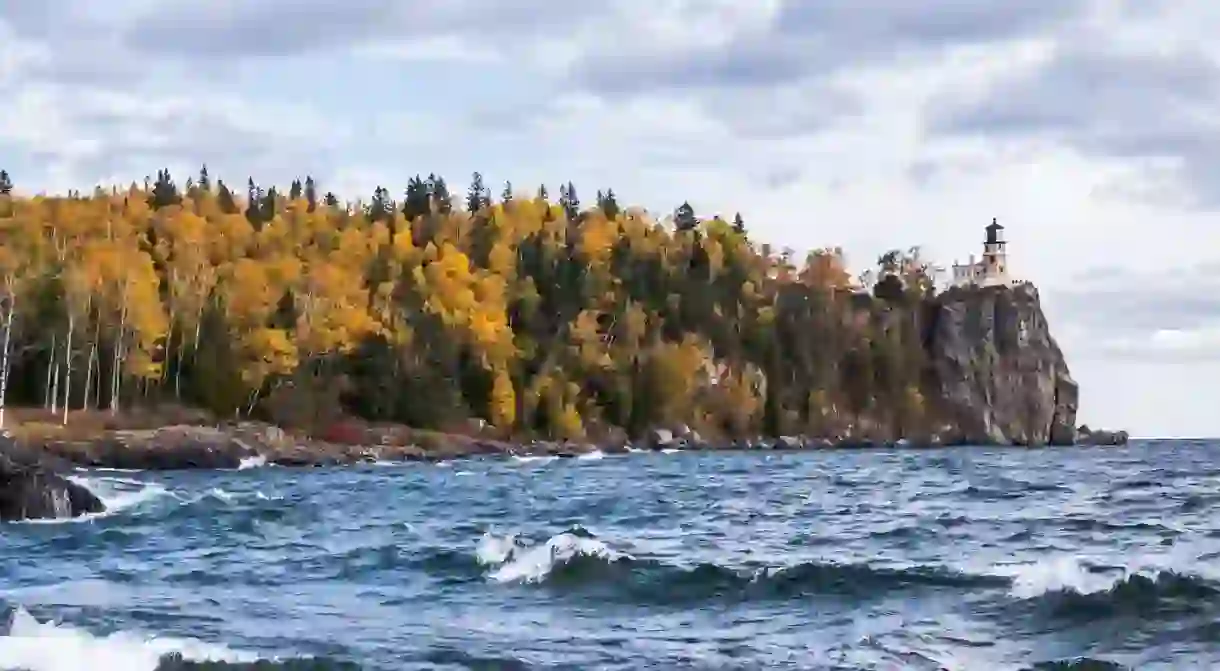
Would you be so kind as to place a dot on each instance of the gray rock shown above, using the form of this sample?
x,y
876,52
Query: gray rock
x,y
1001,376
29,489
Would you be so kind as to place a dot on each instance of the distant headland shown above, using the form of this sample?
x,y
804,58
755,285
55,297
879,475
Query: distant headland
x,y
418,326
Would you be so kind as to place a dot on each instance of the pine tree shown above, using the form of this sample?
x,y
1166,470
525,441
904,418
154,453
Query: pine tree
x,y
331,200
6,183
254,199
294,191
608,204
311,193
268,206
684,217
569,201
380,208
416,199
442,201
224,198
739,224
476,196
506,196
542,194
164,191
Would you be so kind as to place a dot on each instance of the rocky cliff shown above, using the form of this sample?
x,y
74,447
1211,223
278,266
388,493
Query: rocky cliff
x,y
997,375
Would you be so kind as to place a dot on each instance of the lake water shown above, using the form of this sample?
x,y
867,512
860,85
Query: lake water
x,y
949,559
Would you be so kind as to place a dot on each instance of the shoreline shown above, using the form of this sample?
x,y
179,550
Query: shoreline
x,y
234,446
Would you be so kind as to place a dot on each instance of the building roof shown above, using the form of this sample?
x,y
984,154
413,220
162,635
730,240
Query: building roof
x,y
993,226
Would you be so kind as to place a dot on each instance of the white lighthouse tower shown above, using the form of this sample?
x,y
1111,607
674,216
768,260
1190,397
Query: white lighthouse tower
x,y
992,270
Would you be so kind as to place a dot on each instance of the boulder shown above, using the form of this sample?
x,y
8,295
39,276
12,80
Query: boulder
x,y
1087,436
30,489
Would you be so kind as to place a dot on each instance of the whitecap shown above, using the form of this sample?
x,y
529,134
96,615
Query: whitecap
x,y
534,563
534,459
595,455
46,646
494,549
255,461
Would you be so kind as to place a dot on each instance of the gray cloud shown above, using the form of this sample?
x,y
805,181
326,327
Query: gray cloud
x,y
1116,302
199,28
811,39
1109,103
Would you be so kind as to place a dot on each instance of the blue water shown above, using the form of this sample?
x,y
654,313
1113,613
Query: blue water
x,y
950,559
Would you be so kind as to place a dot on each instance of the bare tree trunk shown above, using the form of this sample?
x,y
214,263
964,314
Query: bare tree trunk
x,y
115,372
68,367
4,361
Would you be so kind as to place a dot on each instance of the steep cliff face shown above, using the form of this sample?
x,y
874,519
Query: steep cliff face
x,y
998,377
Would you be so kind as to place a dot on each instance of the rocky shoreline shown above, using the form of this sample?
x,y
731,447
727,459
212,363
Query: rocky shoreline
x,y
249,443
33,482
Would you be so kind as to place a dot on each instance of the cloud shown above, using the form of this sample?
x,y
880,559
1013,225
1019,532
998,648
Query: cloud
x,y
1172,315
781,42
1118,95
279,28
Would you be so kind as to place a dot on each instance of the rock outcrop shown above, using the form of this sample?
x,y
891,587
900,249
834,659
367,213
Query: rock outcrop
x,y
30,489
999,378
1087,436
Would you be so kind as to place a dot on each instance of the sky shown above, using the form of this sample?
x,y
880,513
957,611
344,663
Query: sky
x,y
1089,128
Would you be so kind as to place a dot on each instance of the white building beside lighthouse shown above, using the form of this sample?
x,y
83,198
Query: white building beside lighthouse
x,y
992,269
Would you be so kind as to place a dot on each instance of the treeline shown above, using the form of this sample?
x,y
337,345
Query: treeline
x,y
540,318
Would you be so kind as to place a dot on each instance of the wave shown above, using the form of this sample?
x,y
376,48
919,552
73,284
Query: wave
x,y
31,645
1071,587
116,493
576,559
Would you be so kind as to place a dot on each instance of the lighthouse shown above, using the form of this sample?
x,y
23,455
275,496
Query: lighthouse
x,y
992,270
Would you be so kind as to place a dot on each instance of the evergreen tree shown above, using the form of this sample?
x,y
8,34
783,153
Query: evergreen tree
x,y
739,224
542,194
164,191
6,183
269,204
476,196
331,200
311,193
569,201
416,199
254,199
205,180
608,204
380,208
294,191
506,196
225,200
442,201
684,217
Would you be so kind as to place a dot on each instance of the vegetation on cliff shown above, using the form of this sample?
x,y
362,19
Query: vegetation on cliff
x,y
542,318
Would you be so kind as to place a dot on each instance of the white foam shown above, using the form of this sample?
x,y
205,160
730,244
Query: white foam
x,y
1066,573
46,646
255,461
495,549
595,455
1057,574
534,563
535,459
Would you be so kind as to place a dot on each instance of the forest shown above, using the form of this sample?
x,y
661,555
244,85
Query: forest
x,y
530,316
